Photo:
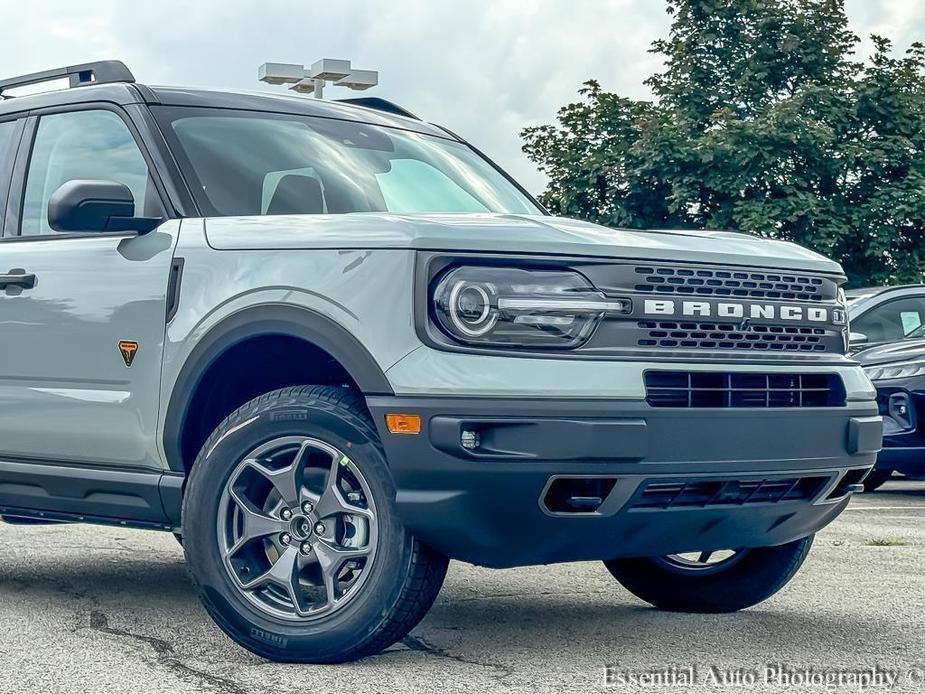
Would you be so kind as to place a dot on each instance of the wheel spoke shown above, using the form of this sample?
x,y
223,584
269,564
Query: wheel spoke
x,y
256,523
287,480
331,559
332,501
284,573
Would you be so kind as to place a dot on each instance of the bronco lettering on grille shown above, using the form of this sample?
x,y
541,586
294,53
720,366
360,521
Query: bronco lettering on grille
x,y
729,310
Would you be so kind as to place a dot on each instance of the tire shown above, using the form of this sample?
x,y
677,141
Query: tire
x,y
876,479
747,578
373,581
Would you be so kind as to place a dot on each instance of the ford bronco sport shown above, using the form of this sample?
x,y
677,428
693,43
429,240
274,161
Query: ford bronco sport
x,y
334,346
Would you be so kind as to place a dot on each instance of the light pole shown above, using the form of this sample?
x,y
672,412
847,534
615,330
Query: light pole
x,y
313,80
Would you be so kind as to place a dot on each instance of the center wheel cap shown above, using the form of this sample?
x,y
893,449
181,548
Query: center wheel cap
x,y
301,527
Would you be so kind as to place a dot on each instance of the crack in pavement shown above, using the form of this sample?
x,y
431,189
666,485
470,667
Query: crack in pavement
x,y
165,655
418,644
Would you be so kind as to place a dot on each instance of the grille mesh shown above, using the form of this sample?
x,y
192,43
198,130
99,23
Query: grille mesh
x,y
727,336
709,389
732,283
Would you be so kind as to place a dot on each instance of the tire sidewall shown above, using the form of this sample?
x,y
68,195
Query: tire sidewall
x,y
761,573
277,638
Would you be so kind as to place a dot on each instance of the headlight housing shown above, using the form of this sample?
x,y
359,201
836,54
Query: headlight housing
x,y
511,307
906,369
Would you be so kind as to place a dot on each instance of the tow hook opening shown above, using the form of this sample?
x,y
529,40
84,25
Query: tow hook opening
x,y
850,483
570,495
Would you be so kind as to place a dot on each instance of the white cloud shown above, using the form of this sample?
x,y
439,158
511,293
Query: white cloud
x,y
484,69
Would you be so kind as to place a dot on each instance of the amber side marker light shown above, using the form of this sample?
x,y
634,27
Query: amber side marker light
x,y
403,423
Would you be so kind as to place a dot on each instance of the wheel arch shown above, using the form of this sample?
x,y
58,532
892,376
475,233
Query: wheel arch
x,y
302,324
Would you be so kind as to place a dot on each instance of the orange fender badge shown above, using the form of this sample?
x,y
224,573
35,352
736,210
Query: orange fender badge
x,y
128,349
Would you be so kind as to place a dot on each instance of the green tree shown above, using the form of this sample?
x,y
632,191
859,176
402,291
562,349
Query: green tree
x,y
763,121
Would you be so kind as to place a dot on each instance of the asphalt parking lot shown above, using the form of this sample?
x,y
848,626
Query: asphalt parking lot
x,y
110,610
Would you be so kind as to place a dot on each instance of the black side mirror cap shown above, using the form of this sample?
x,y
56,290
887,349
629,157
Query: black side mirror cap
x,y
96,206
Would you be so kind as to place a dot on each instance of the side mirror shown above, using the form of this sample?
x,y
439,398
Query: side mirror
x,y
857,339
98,206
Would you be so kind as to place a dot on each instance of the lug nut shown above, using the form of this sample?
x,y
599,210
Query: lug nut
x,y
307,507
319,529
285,538
306,548
285,514
469,440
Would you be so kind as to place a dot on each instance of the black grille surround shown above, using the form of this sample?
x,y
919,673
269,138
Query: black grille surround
x,y
729,283
681,310
696,389
706,493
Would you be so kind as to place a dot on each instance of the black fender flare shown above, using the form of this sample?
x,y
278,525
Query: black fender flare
x,y
256,321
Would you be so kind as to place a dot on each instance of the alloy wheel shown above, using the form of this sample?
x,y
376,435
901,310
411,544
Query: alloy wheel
x,y
706,562
297,528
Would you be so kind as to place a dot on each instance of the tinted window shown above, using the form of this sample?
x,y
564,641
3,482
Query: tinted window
x,y
8,131
93,145
248,163
892,320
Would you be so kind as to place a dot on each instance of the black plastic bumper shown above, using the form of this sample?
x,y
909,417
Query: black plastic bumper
x,y
493,505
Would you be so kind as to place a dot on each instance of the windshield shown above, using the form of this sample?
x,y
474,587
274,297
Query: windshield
x,y
254,163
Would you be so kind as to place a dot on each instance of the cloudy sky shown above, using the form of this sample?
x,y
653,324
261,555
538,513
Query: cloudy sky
x,y
484,68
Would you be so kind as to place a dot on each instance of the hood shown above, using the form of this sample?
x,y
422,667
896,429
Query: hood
x,y
889,352
505,233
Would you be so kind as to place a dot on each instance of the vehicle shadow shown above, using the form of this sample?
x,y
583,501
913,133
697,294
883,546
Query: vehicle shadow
x,y
899,488
156,595
536,629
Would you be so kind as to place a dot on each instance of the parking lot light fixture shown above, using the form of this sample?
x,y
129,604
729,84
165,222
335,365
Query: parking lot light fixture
x,y
313,80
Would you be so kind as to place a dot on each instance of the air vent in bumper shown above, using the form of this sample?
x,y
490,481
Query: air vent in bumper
x,y
707,493
733,390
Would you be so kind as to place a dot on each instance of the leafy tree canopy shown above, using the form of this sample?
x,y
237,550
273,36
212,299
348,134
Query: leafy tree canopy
x,y
763,121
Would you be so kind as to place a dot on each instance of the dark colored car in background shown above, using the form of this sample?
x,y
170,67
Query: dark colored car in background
x,y
888,339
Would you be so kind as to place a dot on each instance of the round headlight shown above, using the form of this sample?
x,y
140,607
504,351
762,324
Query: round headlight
x,y
470,308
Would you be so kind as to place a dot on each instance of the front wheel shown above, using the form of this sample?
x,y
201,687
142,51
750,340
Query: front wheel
x,y
723,581
291,533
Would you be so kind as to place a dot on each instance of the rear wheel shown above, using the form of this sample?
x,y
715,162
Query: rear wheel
x,y
290,531
720,581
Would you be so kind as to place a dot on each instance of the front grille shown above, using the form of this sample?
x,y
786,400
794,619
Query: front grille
x,y
711,389
729,283
778,338
725,492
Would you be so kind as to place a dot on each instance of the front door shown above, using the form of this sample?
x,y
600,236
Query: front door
x,y
82,316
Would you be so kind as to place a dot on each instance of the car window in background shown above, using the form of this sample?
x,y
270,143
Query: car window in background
x,y
251,163
891,320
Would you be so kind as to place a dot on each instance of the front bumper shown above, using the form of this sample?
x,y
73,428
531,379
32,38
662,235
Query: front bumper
x,y
728,470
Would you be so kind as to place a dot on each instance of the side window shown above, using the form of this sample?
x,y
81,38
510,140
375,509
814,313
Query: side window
x,y
891,320
93,145
8,131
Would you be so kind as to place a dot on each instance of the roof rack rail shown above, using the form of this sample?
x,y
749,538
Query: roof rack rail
x,y
101,72
379,104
